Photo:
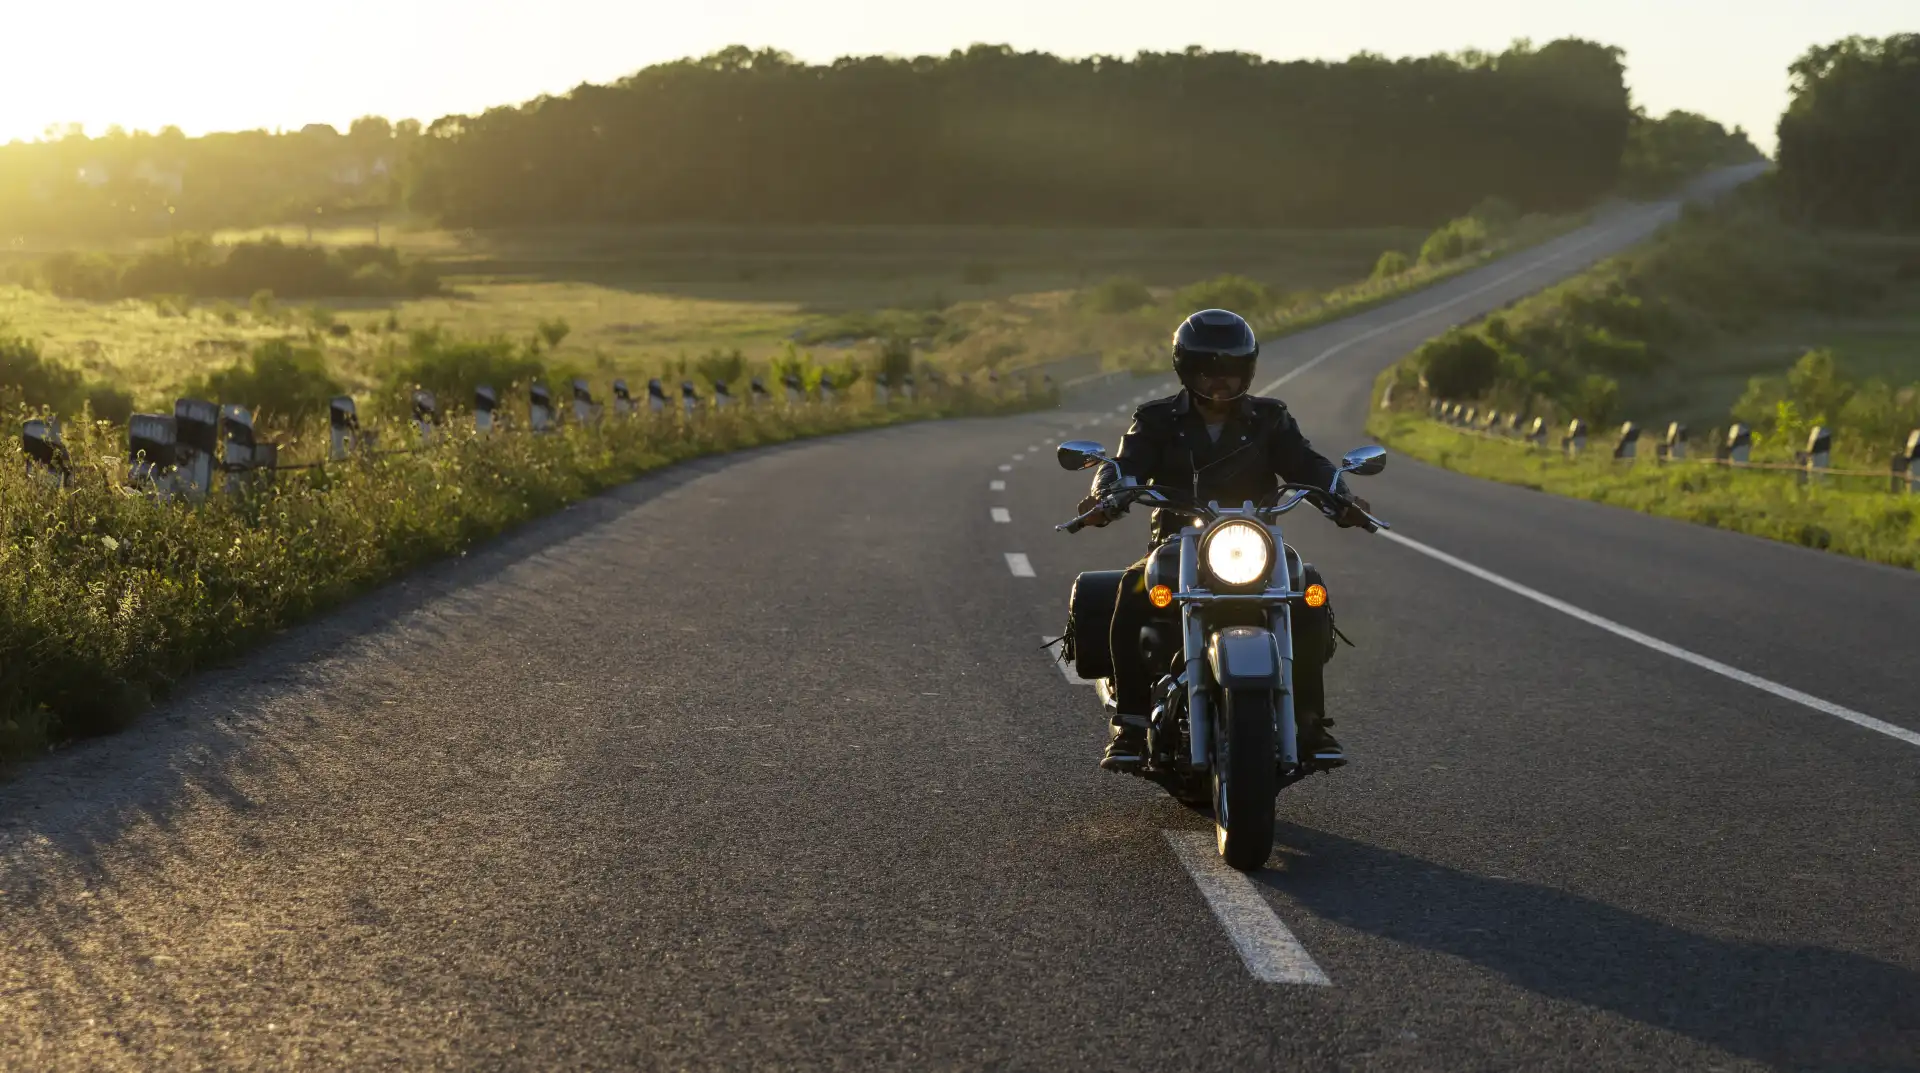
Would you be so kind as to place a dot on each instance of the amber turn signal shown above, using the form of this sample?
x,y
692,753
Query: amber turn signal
x,y
1316,596
1162,596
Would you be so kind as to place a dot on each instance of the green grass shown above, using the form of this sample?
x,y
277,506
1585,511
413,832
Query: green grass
x,y
639,301
1849,516
107,597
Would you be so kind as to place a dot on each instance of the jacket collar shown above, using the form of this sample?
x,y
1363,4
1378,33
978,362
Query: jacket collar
x,y
1242,406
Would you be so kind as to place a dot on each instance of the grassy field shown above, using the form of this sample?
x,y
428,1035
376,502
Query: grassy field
x,y
1883,344
638,300
1849,516
644,301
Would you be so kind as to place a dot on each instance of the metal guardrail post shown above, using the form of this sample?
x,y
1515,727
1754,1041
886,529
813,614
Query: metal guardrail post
x,y
1677,441
343,427
237,446
539,408
1819,452
1575,441
1739,445
622,399
150,449
426,414
656,396
195,441
1628,446
485,402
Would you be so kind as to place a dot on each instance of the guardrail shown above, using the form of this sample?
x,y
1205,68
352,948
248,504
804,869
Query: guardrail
x,y
178,455
1733,451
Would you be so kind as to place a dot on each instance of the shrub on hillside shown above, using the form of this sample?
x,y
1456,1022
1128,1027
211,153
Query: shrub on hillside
x,y
1236,293
1121,294
1458,365
452,368
1391,263
194,267
277,379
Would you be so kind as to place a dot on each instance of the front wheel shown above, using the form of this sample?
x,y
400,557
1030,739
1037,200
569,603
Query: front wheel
x,y
1244,779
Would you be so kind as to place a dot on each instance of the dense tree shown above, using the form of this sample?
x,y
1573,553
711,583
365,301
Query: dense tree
x,y
988,134
1850,138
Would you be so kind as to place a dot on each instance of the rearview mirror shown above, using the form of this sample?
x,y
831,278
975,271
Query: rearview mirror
x,y
1364,461
1081,454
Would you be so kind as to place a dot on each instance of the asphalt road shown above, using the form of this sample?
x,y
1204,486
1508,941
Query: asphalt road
x,y
756,764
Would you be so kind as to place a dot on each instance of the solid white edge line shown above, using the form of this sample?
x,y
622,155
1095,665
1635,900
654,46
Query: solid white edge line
x,y
1448,304
1017,562
996,486
1736,674
1065,671
1001,515
1268,949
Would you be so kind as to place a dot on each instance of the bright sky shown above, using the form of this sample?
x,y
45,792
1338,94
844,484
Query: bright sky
x,y
239,64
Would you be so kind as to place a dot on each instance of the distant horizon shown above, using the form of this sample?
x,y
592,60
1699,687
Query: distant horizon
x,y
207,66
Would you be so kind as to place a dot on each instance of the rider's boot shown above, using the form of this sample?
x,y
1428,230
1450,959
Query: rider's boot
x,y
1321,745
1126,747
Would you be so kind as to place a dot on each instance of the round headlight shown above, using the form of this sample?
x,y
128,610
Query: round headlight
x,y
1238,553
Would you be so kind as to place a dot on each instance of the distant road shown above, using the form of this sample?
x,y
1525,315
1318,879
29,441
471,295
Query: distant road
x,y
755,763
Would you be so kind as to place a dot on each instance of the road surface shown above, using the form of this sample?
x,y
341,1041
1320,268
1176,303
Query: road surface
x,y
756,763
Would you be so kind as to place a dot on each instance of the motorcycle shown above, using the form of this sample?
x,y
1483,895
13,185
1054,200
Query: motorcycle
x,y
1222,732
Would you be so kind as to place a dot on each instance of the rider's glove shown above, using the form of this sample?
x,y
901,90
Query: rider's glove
x,y
1352,512
1096,520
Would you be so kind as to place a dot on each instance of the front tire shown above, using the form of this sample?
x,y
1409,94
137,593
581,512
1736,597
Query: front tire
x,y
1244,778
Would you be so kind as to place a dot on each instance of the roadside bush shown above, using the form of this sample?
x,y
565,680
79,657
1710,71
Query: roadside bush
x,y
1236,293
1121,294
193,267
1454,240
1458,365
1391,263
452,368
277,380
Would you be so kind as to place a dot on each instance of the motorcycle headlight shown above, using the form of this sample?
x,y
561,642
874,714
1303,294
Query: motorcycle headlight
x,y
1238,553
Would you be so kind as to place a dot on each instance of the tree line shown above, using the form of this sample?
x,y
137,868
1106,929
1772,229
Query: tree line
x,y
1850,138
985,135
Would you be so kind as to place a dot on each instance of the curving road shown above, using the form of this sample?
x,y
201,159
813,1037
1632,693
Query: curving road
x,y
756,763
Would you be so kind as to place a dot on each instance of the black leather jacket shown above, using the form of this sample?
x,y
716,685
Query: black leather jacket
x,y
1260,445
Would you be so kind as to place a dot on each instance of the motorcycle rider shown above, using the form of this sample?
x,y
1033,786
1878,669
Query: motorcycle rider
x,y
1215,441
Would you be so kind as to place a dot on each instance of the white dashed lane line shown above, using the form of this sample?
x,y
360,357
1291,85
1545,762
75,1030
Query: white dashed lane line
x,y
1019,458
1001,515
996,486
1017,562
1266,947
1006,467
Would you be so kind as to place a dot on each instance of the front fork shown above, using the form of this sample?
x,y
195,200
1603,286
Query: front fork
x,y
1201,691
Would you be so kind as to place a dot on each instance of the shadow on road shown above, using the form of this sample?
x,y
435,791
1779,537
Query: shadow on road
x,y
1793,1007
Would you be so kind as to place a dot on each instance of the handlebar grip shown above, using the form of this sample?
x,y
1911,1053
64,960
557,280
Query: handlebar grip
x,y
1073,526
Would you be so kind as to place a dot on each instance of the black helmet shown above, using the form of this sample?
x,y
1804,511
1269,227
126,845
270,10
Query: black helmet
x,y
1214,342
